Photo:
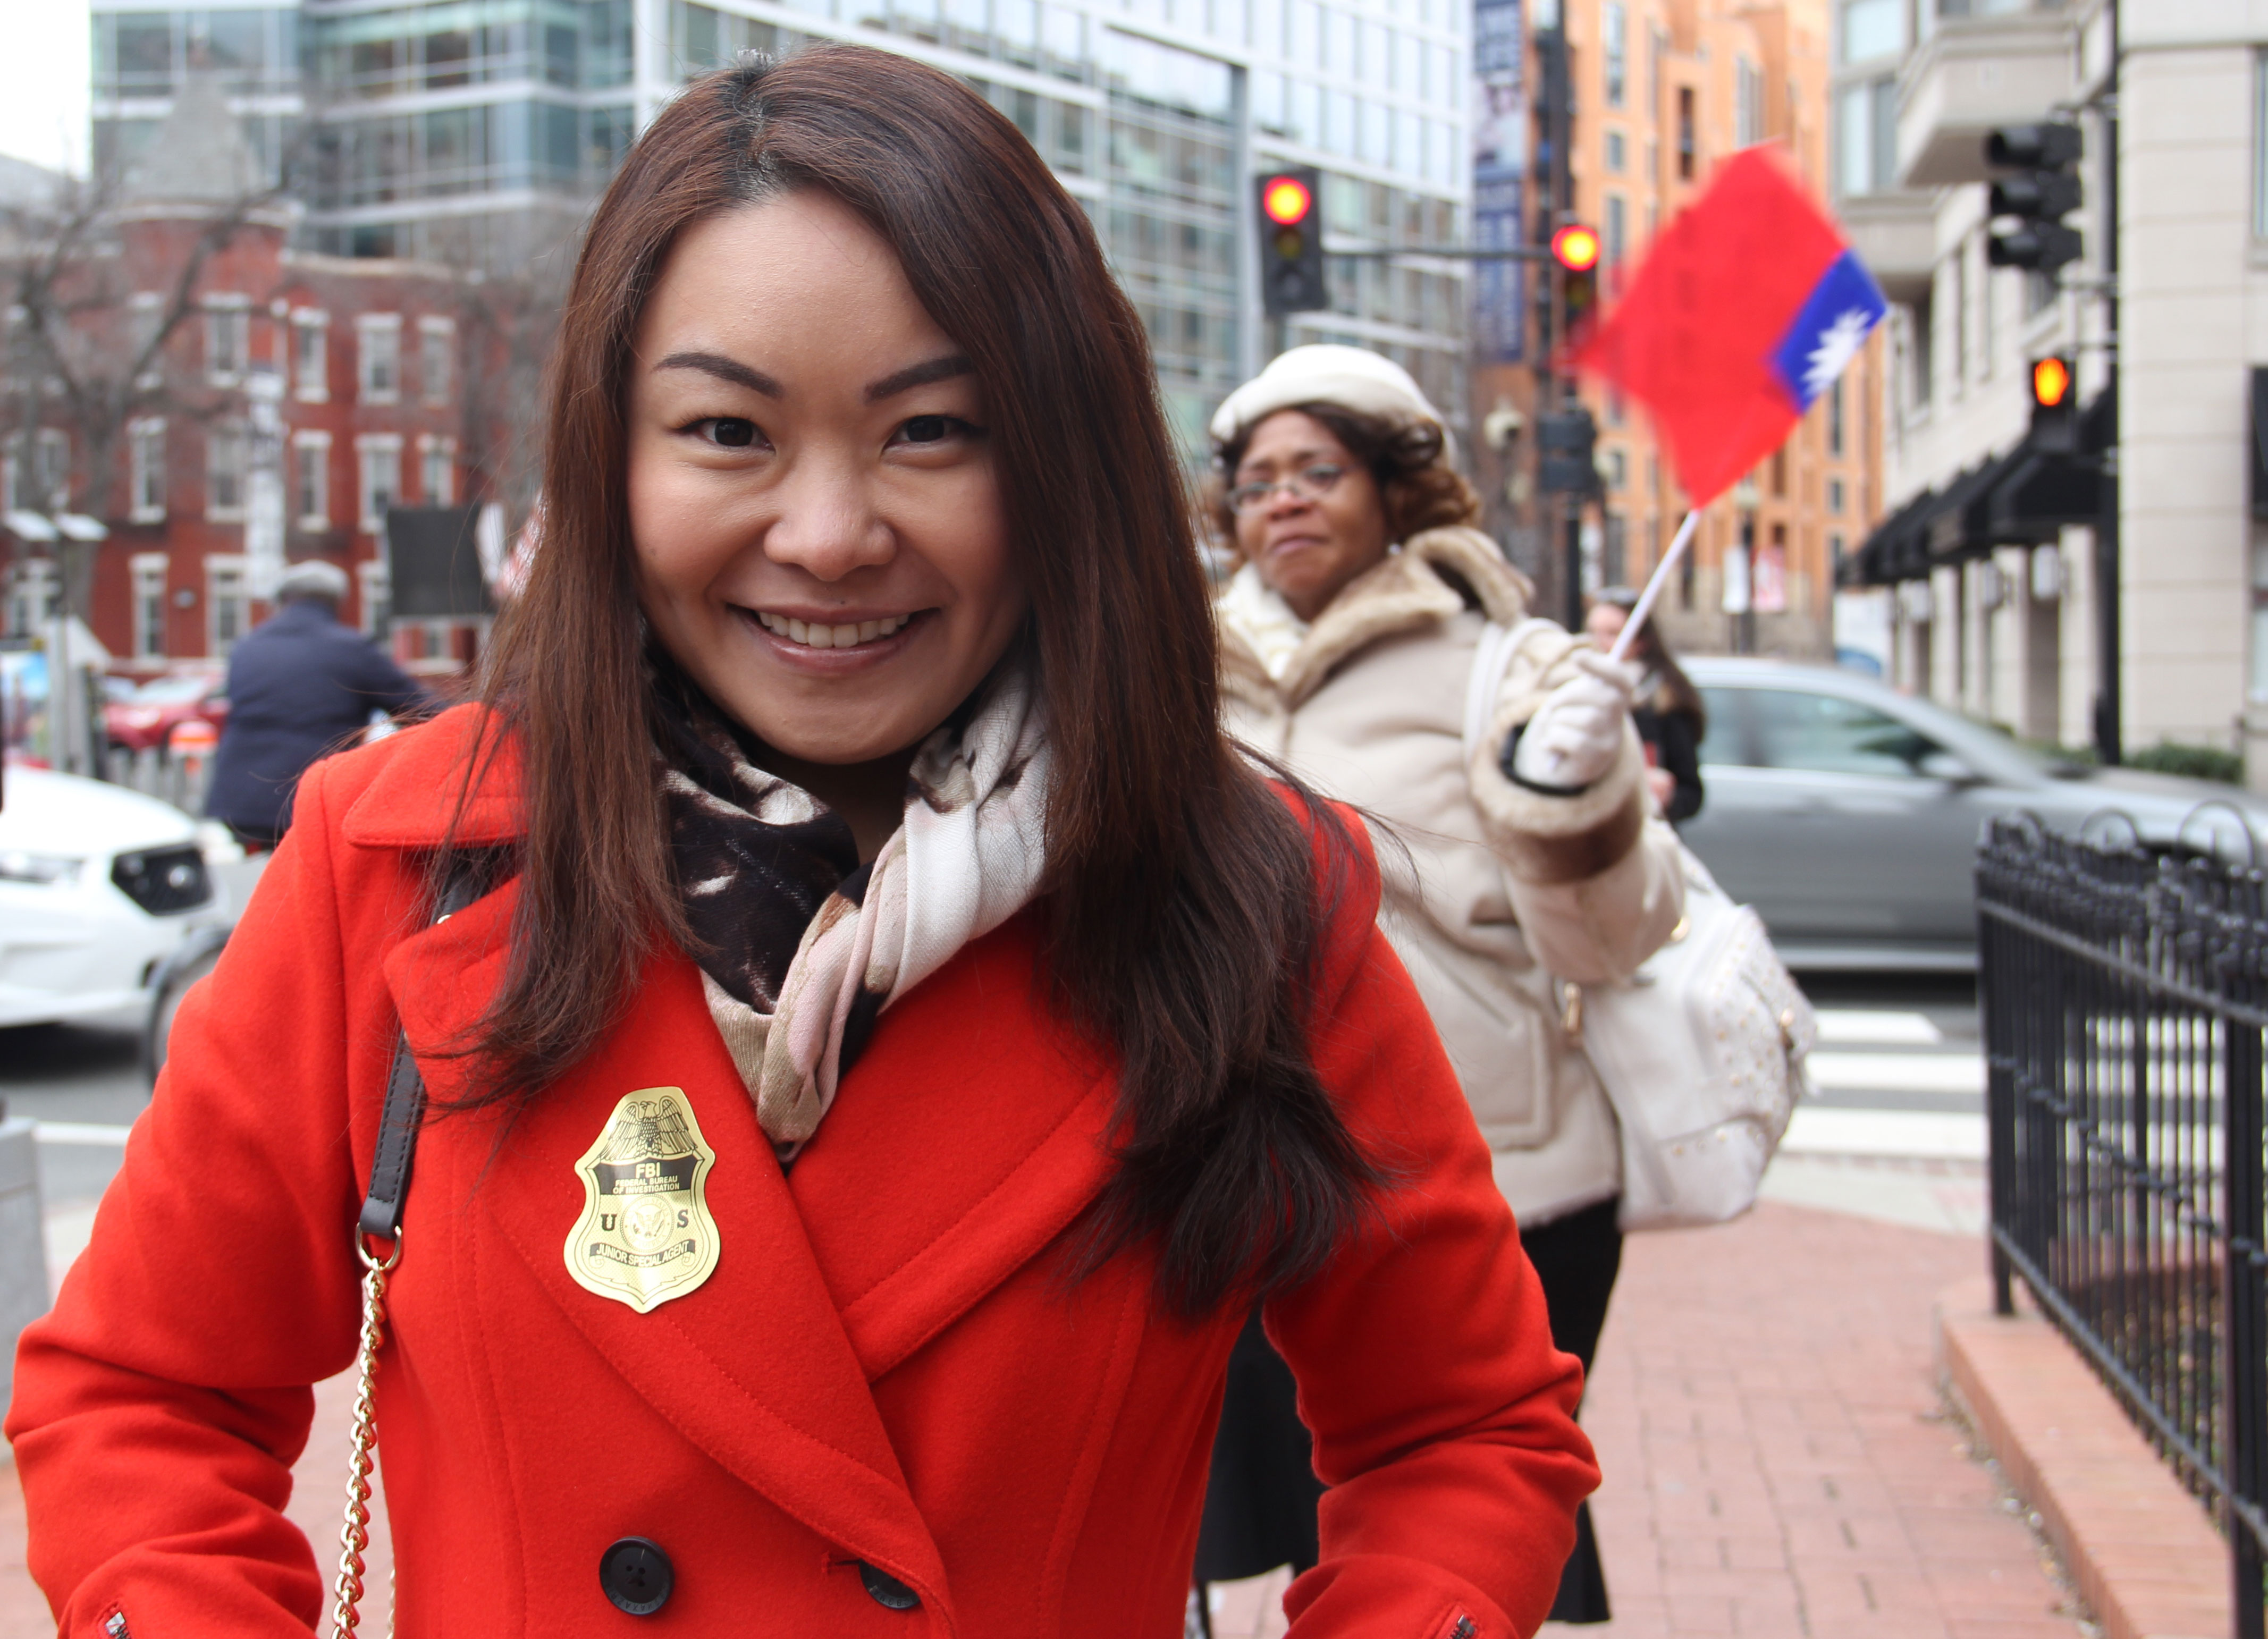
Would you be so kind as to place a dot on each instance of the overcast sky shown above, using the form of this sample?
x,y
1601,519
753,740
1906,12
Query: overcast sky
x,y
43,83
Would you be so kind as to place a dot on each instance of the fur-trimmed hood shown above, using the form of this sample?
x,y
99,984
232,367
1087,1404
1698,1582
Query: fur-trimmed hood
x,y
1433,576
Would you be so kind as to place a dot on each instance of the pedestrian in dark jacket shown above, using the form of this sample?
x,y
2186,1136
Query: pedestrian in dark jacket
x,y
1670,719
300,685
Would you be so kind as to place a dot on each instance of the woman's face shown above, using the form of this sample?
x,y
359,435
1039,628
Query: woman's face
x,y
1605,623
1307,547
818,522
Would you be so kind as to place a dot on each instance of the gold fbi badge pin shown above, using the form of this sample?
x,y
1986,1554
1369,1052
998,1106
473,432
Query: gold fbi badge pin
x,y
645,1235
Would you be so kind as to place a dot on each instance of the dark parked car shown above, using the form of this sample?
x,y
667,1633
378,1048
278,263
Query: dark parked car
x,y
1848,813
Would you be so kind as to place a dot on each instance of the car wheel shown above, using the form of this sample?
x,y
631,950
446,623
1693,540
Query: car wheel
x,y
191,962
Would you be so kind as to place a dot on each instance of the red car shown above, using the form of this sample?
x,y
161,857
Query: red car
x,y
145,720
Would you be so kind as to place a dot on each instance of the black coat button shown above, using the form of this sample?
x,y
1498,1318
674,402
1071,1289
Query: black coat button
x,y
635,1575
888,1590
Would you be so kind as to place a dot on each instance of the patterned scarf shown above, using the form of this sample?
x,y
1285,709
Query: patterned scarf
x,y
801,947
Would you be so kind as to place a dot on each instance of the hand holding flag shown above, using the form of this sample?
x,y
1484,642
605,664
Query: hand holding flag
x,y
1747,309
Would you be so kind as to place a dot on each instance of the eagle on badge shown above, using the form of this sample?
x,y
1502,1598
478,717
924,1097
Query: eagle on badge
x,y
644,1235
648,1129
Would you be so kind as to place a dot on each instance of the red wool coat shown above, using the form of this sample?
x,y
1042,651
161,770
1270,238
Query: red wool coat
x,y
885,1372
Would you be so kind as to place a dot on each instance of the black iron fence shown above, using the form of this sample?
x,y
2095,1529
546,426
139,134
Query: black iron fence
x,y
2124,994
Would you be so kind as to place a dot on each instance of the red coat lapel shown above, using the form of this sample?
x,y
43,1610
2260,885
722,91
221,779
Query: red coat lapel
x,y
753,1366
964,1141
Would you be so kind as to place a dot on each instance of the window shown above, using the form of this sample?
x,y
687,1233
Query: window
x,y
1748,103
1835,495
1614,43
436,352
1617,232
226,608
143,314
1873,28
378,341
1835,417
374,581
2259,148
1686,156
378,456
437,460
35,591
2259,690
1826,734
311,480
149,571
311,356
1617,152
1921,339
51,470
225,451
1866,136
145,452
228,338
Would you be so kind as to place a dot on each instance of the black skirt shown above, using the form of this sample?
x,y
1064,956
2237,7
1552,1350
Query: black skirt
x,y
1260,1502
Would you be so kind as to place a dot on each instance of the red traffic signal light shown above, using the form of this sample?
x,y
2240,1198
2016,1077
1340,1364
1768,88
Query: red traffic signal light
x,y
1286,201
1576,247
2050,382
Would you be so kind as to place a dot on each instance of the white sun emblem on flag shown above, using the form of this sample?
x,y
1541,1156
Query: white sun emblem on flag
x,y
1837,346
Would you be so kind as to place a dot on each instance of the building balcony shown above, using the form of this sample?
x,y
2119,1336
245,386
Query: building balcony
x,y
1973,74
1895,235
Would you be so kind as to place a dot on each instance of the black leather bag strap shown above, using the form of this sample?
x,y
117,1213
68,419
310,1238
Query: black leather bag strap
x,y
405,1091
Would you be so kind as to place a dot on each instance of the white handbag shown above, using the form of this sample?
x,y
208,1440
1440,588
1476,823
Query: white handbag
x,y
1701,1054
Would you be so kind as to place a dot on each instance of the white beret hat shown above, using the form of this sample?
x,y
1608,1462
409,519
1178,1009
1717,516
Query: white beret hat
x,y
1352,377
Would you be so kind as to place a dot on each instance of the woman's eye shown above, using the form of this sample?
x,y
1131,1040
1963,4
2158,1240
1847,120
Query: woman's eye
x,y
932,429
733,432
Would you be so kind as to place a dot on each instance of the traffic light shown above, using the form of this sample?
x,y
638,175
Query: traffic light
x,y
1292,241
1576,249
1568,443
2055,406
2044,191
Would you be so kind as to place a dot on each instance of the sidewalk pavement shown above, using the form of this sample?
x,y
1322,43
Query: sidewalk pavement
x,y
1779,1460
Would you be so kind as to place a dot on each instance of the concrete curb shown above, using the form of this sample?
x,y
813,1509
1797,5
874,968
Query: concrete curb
x,y
2141,1549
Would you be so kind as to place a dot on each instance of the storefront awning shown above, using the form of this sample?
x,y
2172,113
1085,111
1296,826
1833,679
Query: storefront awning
x,y
1895,542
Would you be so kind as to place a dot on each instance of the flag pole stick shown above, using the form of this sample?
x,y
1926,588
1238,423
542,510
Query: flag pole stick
x,y
1654,583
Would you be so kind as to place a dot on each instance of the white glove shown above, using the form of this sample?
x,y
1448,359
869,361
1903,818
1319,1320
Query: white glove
x,y
1573,739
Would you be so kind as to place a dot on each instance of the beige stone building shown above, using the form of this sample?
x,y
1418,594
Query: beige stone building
x,y
1663,90
1993,597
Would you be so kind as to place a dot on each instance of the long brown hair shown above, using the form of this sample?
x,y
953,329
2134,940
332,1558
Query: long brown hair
x,y
1182,898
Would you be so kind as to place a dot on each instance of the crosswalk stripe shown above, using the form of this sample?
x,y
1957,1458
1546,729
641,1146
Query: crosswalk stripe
x,y
1876,1028
1897,1072
1912,1133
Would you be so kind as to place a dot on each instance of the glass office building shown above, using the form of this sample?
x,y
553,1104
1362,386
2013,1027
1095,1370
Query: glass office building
x,y
480,129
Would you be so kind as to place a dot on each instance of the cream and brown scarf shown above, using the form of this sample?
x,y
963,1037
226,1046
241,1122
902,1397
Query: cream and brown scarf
x,y
801,948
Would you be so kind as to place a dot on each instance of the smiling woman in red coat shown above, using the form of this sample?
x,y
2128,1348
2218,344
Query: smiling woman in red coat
x,y
883,1042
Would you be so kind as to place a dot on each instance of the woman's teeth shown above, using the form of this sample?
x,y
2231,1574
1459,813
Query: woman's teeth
x,y
816,635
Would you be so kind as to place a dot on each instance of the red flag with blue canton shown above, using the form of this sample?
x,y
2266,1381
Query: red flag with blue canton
x,y
1745,311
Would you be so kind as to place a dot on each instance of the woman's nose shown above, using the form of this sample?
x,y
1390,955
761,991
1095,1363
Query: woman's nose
x,y
1284,500
828,525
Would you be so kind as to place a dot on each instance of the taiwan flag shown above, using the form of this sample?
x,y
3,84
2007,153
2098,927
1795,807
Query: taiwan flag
x,y
1745,311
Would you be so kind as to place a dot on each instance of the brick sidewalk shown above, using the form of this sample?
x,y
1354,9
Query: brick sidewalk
x,y
1766,1411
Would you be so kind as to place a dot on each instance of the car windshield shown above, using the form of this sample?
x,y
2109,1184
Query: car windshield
x,y
173,691
1780,724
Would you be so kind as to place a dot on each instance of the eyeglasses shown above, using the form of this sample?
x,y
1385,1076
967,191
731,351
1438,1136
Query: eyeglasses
x,y
1310,484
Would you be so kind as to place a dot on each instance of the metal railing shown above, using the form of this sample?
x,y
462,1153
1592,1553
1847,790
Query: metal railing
x,y
2124,993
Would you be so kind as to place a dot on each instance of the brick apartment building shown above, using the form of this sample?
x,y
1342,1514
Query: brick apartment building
x,y
361,360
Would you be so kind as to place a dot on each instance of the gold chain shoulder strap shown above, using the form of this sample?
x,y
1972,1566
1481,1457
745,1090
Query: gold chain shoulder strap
x,y
379,1224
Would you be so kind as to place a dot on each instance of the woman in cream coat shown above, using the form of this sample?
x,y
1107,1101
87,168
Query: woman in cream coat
x,y
1349,635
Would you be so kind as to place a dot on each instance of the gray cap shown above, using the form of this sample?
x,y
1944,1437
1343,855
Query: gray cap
x,y
312,577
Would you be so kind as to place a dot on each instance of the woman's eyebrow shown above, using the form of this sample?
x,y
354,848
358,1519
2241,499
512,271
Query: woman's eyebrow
x,y
726,369
918,376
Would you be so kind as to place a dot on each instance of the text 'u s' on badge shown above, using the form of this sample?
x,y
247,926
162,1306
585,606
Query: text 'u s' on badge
x,y
645,1235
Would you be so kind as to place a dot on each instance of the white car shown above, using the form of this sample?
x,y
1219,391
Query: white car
x,y
98,886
